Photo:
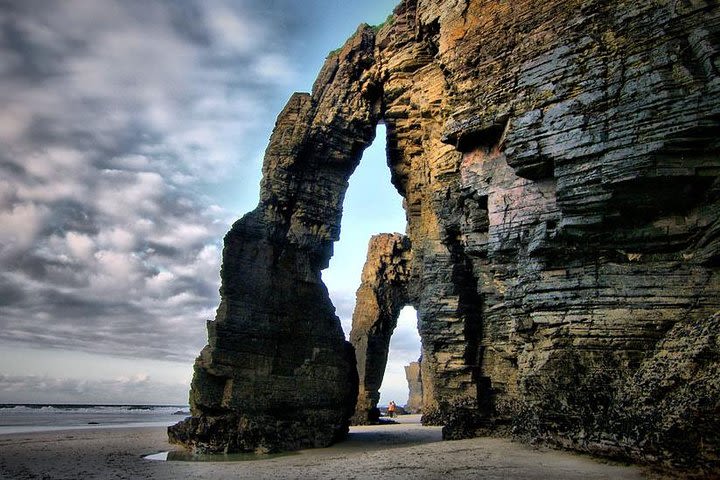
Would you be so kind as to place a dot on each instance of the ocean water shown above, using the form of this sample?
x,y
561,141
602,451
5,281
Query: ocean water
x,y
21,418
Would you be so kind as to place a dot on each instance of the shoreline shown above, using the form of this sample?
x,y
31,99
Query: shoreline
x,y
17,430
404,450
27,418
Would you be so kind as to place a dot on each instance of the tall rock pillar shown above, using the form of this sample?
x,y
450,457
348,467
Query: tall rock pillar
x,y
415,388
277,373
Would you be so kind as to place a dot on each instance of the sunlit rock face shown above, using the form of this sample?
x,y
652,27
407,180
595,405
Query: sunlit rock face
x,y
559,163
382,294
414,379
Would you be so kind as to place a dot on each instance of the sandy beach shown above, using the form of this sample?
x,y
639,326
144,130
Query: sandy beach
x,y
406,450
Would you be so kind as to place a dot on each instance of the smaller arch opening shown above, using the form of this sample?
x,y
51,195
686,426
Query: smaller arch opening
x,y
405,348
371,206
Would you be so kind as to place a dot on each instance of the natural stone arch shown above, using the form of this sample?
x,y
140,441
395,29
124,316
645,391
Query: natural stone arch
x,y
276,373
382,294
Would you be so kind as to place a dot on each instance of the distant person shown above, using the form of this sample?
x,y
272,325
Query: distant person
x,y
391,409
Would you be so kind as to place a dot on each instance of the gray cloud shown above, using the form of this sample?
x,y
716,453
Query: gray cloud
x,y
125,124
138,388
119,118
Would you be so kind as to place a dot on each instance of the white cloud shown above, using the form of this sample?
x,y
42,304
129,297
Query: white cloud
x,y
14,121
159,285
19,226
123,195
138,378
274,68
206,264
184,235
234,33
81,246
53,191
116,275
117,238
137,389
51,174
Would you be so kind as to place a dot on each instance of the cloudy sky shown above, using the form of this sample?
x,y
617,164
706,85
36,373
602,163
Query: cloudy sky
x,y
131,136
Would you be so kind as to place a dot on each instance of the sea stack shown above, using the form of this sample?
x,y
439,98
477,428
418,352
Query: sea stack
x,y
277,373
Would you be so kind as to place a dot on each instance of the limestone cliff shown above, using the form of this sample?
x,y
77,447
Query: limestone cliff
x,y
559,162
382,294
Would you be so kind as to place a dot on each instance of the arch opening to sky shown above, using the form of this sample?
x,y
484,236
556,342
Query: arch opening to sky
x,y
404,348
372,206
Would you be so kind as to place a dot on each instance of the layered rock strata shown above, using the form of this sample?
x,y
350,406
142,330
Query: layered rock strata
x,y
382,294
559,163
561,181
415,395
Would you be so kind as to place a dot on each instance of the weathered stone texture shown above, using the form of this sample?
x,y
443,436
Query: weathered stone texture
x,y
382,294
576,219
415,395
669,409
560,165
425,170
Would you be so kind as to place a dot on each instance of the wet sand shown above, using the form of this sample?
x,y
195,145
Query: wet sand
x,y
407,450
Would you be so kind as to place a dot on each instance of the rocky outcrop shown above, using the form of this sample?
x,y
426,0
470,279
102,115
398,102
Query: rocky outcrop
x,y
414,379
585,190
559,163
669,406
382,294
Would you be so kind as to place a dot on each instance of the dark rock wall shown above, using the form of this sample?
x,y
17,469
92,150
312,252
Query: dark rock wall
x,y
574,222
559,162
382,294
671,402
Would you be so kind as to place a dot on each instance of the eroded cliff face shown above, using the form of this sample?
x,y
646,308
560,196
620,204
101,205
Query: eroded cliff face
x,y
559,163
382,294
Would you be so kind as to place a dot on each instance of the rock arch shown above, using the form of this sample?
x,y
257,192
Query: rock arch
x,y
560,172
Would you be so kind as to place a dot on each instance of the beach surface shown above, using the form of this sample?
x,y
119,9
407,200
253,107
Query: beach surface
x,y
405,450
